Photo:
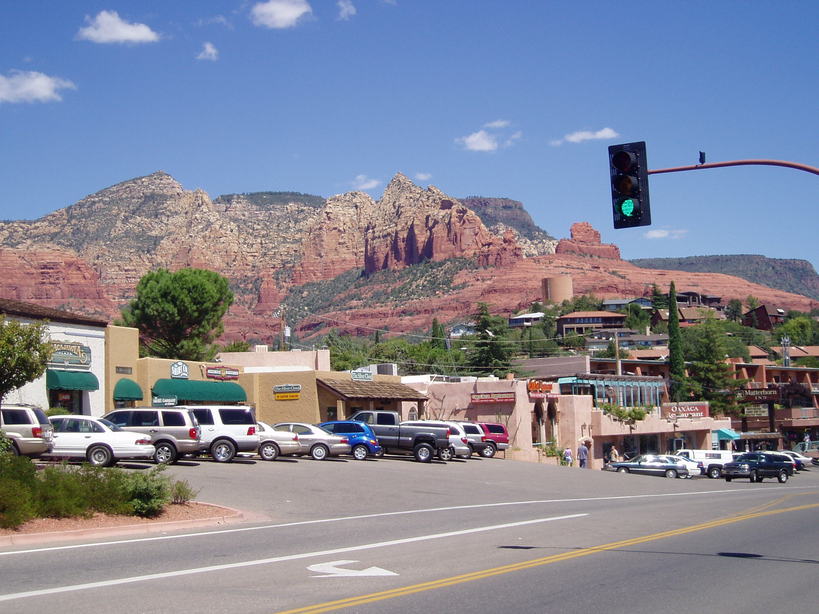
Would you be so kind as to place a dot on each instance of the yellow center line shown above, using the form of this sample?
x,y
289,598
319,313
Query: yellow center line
x,y
555,558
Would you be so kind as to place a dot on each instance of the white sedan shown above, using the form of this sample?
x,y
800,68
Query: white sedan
x,y
100,442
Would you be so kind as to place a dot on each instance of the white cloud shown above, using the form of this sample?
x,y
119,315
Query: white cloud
x,y
586,135
346,9
217,19
478,141
362,182
108,27
498,123
279,14
209,52
512,138
661,233
423,176
31,86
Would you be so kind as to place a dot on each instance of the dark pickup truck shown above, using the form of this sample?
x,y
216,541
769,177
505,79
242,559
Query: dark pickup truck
x,y
423,442
756,466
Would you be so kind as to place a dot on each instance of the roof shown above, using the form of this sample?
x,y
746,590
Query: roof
x,y
698,313
535,314
658,353
593,314
39,312
799,351
371,390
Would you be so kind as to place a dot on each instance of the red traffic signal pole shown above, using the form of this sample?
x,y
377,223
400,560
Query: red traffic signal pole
x,y
796,165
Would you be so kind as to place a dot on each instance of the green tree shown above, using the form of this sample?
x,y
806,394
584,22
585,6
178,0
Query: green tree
x,y
346,352
676,360
734,310
637,318
489,354
711,378
438,335
24,352
658,299
802,330
179,315
236,346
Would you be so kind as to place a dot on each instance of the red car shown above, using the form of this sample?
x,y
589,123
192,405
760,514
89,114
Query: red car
x,y
497,435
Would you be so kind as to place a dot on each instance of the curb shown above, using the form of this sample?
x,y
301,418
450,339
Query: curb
x,y
225,515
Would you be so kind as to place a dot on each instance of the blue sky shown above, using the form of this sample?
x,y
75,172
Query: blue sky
x,y
504,98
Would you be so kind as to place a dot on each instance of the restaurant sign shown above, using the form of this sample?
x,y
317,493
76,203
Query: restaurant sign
x,y
492,397
287,392
73,354
685,409
364,375
163,401
756,411
758,395
221,373
540,390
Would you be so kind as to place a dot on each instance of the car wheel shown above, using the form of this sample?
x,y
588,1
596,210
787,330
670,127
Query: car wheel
x,y
381,453
714,473
753,476
99,456
269,451
671,473
13,449
622,470
759,478
319,452
223,451
423,452
165,454
782,477
360,452
728,479
488,451
446,454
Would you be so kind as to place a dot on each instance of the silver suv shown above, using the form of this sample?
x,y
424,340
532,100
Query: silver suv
x,y
28,428
477,438
226,429
174,431
458,441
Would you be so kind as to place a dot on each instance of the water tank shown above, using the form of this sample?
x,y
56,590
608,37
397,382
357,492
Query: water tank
x,y
558,289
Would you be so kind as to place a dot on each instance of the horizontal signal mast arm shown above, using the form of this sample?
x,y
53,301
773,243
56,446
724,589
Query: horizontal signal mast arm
x,y
696,167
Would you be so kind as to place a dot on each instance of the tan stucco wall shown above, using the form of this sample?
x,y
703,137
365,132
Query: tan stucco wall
x,y
121,350
303,409
317,360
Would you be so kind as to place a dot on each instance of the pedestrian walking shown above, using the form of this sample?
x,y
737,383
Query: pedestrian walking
x,y
582,455
614,455
567,456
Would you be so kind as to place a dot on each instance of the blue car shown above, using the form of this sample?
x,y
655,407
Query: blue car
x,y
362,439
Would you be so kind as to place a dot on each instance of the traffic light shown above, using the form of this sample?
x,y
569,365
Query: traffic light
x,y
628,167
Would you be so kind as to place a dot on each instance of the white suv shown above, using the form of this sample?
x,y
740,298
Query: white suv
x,y
226,429
458,441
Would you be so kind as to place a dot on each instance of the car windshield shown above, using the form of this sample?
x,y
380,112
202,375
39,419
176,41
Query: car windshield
x,y
109,424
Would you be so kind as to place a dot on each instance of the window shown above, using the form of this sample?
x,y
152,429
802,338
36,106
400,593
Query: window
x,y
348,428
173,418
495,428
301,429
236,416
472,429
331,427
15,416
120,418
144,418
385,419
203,416
365,417
282,427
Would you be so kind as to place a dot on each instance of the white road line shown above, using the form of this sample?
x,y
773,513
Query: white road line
x,y
385,514
277,559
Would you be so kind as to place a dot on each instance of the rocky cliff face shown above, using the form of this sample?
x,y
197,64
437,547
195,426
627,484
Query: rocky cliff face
x,y
276,246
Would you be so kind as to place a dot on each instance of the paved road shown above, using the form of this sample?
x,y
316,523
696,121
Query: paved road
x,y
478,535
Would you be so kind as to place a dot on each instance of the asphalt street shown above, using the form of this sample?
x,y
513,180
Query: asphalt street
x,y
481,535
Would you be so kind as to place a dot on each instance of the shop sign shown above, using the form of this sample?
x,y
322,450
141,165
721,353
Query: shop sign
x,y
685,409
539,390
179,370
756,411
758,395
74,354
814,388
361,375
492,397
124,370
287,392
221,373
163,401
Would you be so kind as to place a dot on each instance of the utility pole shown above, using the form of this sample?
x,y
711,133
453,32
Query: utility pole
x,y
786,351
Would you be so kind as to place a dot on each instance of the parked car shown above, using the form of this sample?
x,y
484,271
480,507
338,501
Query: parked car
x,y
694,467
477,439
174,431
458,441
273,443
651,464
801,460
226,429
757,466
28,429
497,434
100,442
395,436
315,441
712,460
362,439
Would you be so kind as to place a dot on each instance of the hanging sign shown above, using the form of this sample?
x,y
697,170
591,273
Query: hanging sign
x,y
492,397
685,409
74,354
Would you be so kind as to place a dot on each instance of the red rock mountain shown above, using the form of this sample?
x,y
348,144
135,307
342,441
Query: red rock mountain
x,y
348,262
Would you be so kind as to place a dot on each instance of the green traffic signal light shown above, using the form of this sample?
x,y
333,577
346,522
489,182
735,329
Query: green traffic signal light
x,y
628,169
627,207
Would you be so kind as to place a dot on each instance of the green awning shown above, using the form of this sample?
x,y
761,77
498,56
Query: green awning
x,y
127,390
57,379
197,390
727,434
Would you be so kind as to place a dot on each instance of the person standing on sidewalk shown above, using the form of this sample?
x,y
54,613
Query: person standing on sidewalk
x,y
582,455
567,456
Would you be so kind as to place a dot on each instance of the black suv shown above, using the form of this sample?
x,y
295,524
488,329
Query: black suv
x,y
756,466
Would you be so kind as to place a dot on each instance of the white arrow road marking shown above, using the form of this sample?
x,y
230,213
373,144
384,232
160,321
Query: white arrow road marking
x,y
334,569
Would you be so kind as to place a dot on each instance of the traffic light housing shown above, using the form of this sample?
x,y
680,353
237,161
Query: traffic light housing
x,y
628,167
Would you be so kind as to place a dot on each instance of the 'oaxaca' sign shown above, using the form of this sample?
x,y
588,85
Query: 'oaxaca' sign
x,y
492,397
685,409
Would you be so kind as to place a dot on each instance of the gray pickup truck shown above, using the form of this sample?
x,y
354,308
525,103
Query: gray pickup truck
x,y
423,442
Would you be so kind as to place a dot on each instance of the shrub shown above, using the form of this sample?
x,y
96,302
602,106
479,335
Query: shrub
x,y
182,492
5,444
57,411
61,494
15,504
106,489
20,469
148,492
